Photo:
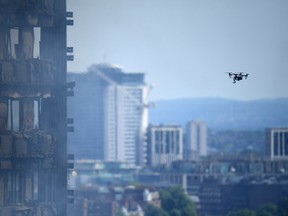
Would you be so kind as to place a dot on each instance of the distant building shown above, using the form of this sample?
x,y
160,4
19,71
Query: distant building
x,y
196,140
210,182
165,144
219,199
99,207
113,117
113,201
91,172
277,143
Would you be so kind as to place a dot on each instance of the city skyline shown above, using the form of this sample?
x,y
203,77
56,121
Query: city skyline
x,y
185,47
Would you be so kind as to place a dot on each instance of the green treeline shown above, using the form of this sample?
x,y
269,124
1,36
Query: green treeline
x,y
279,209
174,202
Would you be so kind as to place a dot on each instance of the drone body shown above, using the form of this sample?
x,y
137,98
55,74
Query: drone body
x,y
237,76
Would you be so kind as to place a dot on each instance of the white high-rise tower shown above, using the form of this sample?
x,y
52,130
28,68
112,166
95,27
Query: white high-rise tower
x,y
196,140
121,114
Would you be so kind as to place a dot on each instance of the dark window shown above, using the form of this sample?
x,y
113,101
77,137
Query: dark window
x,y
276,143
286,143
281,143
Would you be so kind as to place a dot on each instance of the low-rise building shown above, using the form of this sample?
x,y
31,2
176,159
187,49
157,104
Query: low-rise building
x,y
219,199
165,144
110,201
277,143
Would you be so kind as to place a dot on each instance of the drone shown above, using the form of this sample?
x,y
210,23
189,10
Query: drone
x,y
237,76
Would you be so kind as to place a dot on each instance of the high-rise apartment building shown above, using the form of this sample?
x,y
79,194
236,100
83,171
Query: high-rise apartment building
x,y
33,118
114,119
165,144
277,143
196,140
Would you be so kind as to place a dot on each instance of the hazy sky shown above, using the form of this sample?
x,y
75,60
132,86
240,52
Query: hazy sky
x,y
185,46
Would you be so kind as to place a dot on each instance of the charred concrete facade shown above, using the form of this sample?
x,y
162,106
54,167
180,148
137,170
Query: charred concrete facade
x,y
33,120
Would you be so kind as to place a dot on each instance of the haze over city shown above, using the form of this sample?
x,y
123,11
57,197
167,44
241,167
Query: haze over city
x,y
186,46
88,141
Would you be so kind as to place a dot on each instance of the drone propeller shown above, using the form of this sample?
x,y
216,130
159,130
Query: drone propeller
x,y
230,74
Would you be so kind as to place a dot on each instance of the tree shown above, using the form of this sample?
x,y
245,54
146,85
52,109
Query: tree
x,y
189,211
267,210
279,209
175,201
283,206
167,201
155,211
243,212
175,212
